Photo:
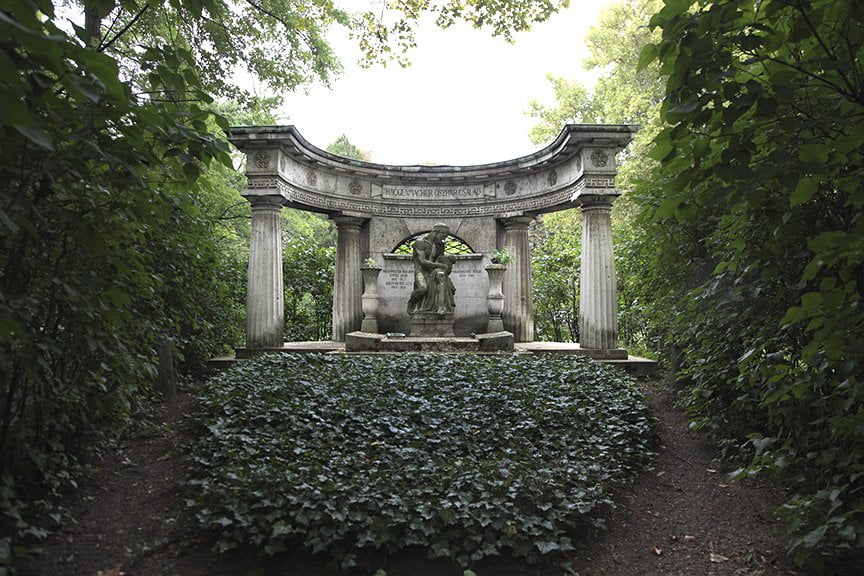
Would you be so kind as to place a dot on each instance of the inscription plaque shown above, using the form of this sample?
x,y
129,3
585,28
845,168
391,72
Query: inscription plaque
x,y
432,192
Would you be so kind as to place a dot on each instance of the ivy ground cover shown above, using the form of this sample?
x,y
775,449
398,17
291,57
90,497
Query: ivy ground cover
x,y
464,455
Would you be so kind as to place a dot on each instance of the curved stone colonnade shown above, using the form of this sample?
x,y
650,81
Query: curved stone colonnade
x,y
489,206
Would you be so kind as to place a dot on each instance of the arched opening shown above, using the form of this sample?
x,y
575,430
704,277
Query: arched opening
x,y
452,245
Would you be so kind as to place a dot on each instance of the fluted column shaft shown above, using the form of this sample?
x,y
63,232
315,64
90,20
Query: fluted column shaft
x,y
265,312
598,290
518,314
348,281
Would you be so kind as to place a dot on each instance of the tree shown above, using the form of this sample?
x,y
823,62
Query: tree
x,y
555,260
759,242
343,147
622,95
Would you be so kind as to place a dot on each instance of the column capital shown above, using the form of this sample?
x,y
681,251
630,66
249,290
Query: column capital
x,y
348,221
266,202
515,222
595,200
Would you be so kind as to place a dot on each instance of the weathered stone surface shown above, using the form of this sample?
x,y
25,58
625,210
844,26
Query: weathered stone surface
x,y
518,312
362,341
370,298
265,310
496,341
348,282
397,280
598,303
431,324
376,207
495,297
429,344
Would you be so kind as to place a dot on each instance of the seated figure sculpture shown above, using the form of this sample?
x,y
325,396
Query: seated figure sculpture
x,y
433,289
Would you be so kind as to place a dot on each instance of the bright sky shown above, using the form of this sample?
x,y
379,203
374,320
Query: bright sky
x,y
462,101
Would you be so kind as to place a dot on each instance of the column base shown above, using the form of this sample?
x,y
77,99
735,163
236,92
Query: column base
x,y
604,353
369,325
432,324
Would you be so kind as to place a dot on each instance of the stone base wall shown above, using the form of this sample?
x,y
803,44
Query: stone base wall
x,y
396,282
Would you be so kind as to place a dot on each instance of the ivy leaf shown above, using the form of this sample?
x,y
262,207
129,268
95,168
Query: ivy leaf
x,y
36,135
804,191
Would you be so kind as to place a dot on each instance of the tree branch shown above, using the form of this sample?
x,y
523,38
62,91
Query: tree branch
x,y
125,29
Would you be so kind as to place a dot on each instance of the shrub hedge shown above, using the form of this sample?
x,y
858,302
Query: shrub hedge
x,y
465,455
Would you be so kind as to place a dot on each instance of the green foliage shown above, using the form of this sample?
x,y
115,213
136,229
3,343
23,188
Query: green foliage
x,y
119,219
502,256
308,263
555,260
622,94
452,245
109,244
281,42
573,105
758,243
344,148
386,34
463,455
625,95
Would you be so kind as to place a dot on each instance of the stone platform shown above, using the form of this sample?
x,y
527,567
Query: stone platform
x,y
360,342
635,365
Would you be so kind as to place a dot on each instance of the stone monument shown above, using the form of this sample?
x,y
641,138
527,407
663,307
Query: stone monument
x,y
379,210
432,300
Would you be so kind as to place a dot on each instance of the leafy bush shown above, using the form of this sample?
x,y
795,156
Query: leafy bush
x,y
110,243
308,262
465,455
754,243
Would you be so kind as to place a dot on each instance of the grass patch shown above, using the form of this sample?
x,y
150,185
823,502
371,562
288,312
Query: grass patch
x,y
465,455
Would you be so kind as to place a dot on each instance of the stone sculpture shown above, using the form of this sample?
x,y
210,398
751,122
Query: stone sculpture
x,y
433,289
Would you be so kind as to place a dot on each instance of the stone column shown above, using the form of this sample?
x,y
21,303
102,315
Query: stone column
x,y
265,312
348,282
598,292
518,312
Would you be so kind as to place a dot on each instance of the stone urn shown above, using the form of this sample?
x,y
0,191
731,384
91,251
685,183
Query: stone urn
x,y
495,298
370,298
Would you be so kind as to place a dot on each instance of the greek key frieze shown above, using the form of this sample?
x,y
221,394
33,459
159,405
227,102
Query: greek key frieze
x,y
599,182
377,208
257,183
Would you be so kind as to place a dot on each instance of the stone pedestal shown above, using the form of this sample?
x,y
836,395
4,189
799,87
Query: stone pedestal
x,y
518,314
598,292
370,298
495,299
431,324
265,312
347,284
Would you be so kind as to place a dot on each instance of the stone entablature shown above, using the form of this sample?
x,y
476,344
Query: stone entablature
x,y
581,160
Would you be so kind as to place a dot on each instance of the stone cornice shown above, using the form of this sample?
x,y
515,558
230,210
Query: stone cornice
x,y
580,161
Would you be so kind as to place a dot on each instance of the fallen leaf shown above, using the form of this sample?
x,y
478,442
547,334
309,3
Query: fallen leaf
x,y
722,485
111,572
717,558
711,470
656,551
688,537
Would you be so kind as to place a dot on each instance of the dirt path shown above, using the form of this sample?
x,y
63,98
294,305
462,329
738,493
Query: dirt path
x,y
684,517
680,518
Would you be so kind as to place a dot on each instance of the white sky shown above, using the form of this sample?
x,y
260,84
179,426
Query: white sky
x,y
462,101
